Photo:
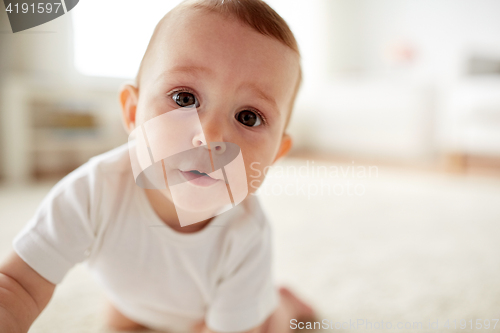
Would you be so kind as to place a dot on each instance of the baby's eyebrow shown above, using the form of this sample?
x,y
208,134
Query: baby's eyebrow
x,y
261,94
190,70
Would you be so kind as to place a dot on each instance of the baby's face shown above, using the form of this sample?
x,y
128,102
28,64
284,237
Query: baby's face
x,y
240,81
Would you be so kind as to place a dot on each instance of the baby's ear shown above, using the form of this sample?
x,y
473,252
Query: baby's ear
x,y
129,95
285,146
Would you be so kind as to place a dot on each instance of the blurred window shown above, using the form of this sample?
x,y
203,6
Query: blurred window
x,y
110,36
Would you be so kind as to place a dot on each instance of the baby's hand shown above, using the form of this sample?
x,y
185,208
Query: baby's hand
x,y
198,328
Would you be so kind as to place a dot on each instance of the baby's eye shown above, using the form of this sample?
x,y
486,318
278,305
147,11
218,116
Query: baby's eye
x,y
248,118
185,99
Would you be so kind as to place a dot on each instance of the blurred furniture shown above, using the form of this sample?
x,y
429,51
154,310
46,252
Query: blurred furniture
x,y
469,124
367,117
50,129
403,121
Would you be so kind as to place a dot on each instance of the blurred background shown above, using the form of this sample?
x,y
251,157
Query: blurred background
x,y
409,86
400,81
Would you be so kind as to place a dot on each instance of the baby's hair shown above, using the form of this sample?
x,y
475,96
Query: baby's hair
x,y
256,14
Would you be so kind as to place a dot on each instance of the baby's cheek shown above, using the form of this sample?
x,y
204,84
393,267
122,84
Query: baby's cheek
x,y
257,157
255,176
149,108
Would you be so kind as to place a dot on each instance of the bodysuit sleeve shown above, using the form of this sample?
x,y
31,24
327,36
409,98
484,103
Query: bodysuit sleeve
x,y
60,234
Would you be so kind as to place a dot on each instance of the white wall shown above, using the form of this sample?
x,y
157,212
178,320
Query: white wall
x,y
442,32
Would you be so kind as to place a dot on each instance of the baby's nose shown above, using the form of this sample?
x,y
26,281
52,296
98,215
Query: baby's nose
x,y
218,147
199,140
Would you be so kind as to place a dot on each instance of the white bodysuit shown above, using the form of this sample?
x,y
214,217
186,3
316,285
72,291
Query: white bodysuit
x,y
154,275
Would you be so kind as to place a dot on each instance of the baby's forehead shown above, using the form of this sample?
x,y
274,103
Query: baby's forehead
x,y
176,29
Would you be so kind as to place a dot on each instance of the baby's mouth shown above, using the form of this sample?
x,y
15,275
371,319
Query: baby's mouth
x,y
198,178
196,172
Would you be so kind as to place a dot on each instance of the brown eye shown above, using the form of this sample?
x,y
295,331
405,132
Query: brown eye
x,y
185,99
248,118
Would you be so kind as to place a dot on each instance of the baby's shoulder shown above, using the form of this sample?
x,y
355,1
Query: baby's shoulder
x,y
107,170
247,222
113,162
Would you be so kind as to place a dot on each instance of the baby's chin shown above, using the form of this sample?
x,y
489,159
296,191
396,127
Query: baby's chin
x,y
189,198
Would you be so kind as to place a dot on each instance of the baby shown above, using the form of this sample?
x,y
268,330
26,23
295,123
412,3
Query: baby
x,y
237,64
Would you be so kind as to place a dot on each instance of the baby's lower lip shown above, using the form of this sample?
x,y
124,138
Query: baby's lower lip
x,y
195,179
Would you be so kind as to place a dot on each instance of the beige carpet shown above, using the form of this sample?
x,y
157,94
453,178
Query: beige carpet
x,y
413,247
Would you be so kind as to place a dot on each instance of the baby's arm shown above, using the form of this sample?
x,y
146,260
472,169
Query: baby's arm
x,y
23,295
